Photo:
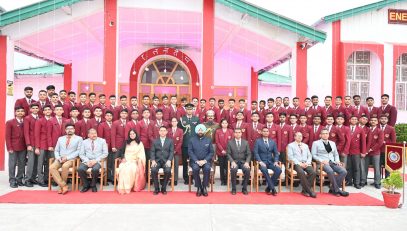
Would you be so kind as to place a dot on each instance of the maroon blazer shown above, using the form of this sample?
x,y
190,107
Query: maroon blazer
x,y
389,134
80,107
156,129
336,136
118,110
232,116
221,140
253,134
373,112
346,134
391,113
29,130
82,127
313,136
105,132
15,136
246,114
261,116
348,112
357,141
338,110
201,114
177,137
275,134
166,113
296,128
329,110
113,110
170,113
67,106
320,111
129,126
276,113
223,113
23,103
41,134
297,111
309,113
55,131
361,111
96,124
144,131
181,112
367,134
376,139
306,131
286,136
244,127
118,134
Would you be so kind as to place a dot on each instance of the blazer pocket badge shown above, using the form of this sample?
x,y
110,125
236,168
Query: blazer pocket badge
x,y
387,135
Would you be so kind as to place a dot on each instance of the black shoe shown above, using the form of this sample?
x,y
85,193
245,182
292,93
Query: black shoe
x,y
175,183
264,182
198,192
34,181
85,189
357,186
343,193
233,191
94,189
156,191
273,192
295,184
14,185
267,190
41,184
337,194
305,193
28,184
362,185
245,192
163,191
313,195
54,184
204,192
186,182
20,183
348,183
378,186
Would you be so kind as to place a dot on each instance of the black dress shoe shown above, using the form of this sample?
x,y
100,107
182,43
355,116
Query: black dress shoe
x,y
34,181
175,183
28,184
264,182
85,189
348,183
204,192
233,192
337,194
305,193
343,193
357,186
94,189
378,186
164,191
313,195
273,192
13,185
42,184
156,191
245,192
362,185
198,192
267,190
20,183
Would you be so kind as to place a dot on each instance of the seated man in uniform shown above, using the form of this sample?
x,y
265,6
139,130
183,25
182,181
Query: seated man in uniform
x,y
200,151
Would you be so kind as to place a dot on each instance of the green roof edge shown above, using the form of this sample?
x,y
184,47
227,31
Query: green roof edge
x,y
48,69
275,19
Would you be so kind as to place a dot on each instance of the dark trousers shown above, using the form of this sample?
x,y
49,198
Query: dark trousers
x,y
382,162
176,166
206,169
223,167
246,173
31,173
94,172
283,157
337,180
154,174
273,179
147,152
185,157
307,180
353,168
16,159
375,161
111,157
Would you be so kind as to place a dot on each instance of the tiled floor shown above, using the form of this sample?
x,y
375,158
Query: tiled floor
x,y
198,217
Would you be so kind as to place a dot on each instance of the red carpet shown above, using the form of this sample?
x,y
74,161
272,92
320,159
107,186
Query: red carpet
x,y
108,197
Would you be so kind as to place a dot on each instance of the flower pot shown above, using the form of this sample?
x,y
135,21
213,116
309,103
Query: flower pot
x,y
391,200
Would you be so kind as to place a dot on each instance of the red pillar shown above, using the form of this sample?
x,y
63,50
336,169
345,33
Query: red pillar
x,y
109,55
301,73
254,85
208,47
338,68
68,77
3,96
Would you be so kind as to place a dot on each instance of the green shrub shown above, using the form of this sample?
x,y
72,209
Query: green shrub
x,y
393,182
401,132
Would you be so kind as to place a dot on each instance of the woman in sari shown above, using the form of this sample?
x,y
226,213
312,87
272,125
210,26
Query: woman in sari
x,y
132,167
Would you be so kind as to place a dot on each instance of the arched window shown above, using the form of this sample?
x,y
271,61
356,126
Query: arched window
x,y
401,82
358,74
164,71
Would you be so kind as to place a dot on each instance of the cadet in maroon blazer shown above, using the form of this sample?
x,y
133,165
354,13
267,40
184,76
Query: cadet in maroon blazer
x,y
97,118
84,124
294,125
254,130
158,123
315,130
222,137
335,134
201,111
241,124
212,106
329,110
145,128
372,110
276,113
286,137
274,129
359,110
305,128
105,132
223,112
343,151
171,112
132,124
181,109
55,127
16,147
29,135
26,101
388,131
118,131
388,110
177,135
356,148
246,113
348,109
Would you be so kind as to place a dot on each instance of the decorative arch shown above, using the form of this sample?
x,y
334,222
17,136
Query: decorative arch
x,y
152,53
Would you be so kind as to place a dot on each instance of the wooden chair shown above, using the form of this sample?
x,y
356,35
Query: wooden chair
x,y
259,175
291,175
116,166
71,173
322,175
211,177
160,175
102,173
240,175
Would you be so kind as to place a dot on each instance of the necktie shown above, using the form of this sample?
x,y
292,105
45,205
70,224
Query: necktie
x,y
281,126
29,101
162,142
315,129
267,144
329,128
174,130
255,126
42,104
68,139
189,120
238,125
93,145
238,145
299,146
306,109
59,121
382,127
353,128
383,107
370,109
269,126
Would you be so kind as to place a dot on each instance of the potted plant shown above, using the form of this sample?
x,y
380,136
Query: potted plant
x,y
391,183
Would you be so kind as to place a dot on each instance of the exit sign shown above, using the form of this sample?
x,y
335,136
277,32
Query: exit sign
x,y
396,16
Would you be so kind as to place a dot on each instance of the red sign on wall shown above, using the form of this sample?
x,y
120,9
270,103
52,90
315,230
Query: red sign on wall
x,y
396,16
394,157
